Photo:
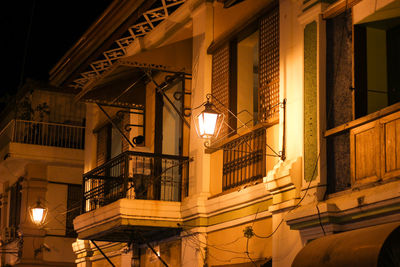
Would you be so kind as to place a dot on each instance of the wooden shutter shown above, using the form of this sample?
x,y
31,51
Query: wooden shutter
x,y
220,81
102,145
15,205
269,67
125,120
73,207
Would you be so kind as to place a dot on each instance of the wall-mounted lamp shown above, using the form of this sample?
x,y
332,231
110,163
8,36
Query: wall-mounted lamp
x,y
38,213
208,123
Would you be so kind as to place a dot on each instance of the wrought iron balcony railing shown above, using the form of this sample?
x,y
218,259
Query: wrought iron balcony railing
x,y
43,133
135,175
244,159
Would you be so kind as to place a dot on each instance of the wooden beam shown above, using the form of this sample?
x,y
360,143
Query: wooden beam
x,y
371,117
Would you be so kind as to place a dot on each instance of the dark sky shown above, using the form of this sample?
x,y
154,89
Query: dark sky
x,y
55,26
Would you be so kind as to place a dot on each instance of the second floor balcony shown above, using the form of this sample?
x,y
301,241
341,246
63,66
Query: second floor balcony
x,y
23,141
365,151
43,134
132,192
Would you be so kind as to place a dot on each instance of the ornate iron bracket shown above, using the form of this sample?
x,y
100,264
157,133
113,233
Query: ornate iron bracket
x,y
128,126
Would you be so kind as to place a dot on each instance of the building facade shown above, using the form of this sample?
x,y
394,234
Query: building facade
x,y
307,154
41,161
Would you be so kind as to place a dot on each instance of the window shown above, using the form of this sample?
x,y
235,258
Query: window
x,y
247,52
361,78
245,79
110,143
377,82
15,205
245,73
74,199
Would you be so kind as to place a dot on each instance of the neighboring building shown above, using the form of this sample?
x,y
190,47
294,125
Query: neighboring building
x,y
309,150
41,151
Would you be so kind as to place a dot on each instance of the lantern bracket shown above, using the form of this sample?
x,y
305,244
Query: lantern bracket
x,y
280,154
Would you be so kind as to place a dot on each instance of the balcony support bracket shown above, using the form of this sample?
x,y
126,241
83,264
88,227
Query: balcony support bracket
x,y
160,90
115,125
152,249
102,253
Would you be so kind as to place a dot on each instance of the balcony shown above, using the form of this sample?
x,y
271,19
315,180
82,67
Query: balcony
x,y
364,151
43,133
133,193
24,141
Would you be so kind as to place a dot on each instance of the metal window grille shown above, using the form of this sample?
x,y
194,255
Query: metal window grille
x,y
244,159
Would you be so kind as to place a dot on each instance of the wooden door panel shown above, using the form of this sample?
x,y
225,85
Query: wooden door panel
x,y
390,145
365,151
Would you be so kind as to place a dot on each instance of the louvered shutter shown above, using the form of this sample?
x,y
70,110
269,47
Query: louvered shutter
x,y
102,136
125,120
269,67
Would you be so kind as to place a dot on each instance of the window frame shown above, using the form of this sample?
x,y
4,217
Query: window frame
x,y
228,73
73,209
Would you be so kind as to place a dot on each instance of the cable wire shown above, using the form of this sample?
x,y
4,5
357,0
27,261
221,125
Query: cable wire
x,y
294,207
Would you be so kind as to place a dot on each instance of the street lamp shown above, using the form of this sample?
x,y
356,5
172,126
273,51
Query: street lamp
x,y
38,213
208,123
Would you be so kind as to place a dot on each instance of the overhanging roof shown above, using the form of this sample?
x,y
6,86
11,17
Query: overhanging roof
x,y
124,82
367,247
114,21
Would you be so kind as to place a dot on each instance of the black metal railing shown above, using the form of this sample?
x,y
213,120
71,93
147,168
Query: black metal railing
x,y
244,159
135,175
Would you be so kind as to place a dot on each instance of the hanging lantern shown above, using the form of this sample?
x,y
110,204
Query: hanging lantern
x,y
208,123
38,213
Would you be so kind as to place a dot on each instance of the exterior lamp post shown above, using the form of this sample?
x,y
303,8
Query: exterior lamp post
x,y
208,123
38,213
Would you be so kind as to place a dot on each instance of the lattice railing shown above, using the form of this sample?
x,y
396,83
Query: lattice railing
x,y
244,159
135,175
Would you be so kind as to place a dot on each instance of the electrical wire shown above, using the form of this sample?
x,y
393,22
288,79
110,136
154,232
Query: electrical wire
x,y
319,219
247,252
197,245
191,235
294,207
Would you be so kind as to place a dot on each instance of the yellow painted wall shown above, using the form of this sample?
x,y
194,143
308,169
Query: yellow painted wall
x,y
56,201
170,252
216,162
60,249
70,174
116,260
237,15
228,246
273,140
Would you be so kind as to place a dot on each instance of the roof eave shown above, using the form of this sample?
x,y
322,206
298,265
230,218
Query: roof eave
x,y
93,42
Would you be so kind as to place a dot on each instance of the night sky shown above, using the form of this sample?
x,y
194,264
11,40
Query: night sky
x,y
55,25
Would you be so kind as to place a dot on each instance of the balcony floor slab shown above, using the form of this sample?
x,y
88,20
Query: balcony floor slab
x,y
127,219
